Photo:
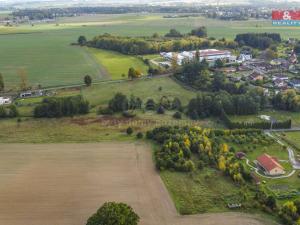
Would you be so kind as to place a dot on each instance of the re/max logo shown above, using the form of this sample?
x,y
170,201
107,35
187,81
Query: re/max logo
x,y
286,22
286,17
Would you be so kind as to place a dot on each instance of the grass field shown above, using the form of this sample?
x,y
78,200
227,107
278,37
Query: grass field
x,y
292,138
205,191
48,59
44,50
66,183
117,64
276,114
100,94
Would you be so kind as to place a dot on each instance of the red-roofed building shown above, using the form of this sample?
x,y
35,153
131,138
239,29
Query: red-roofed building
x,y
270,165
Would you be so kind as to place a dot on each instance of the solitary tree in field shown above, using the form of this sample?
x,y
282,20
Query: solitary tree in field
x,y
87,80
82,40
112,213
1,83
132,73
23,79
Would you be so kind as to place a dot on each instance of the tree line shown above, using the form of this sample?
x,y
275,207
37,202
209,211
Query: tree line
x,y
287,100
151,45
207,104
55,107
258,40
51,13
126,105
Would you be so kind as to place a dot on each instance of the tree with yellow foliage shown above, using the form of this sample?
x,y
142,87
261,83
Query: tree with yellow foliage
x,y
222,163
224,148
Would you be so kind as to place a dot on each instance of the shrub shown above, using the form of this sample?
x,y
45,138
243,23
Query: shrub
x,y
129,131
104,111
140,135
161,110
129,114
112,213
177,115
150,105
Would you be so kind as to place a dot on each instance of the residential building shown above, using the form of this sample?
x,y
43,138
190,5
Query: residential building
x,y
270,165
5,101
295,83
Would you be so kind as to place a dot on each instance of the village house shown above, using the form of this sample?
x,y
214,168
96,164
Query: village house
x,y
295,83
244,57
270,165
279,83
256,76
281,77
293,58
5,101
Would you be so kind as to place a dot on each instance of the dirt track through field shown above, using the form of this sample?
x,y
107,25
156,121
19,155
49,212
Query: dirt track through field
x,y
62,184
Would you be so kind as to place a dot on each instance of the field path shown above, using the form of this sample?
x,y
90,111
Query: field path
x,y
63,184
102,72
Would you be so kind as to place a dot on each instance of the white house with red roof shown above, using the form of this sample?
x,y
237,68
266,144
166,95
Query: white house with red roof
x,y
270,165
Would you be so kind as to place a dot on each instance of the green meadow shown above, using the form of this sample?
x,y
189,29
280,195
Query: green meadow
x,y
115,64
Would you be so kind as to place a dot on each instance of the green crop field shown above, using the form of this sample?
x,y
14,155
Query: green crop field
x,y
45,53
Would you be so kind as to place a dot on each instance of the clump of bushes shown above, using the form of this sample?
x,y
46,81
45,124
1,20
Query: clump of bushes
x,y
104,111
139,135
177,115
58,107
10,111
161,110
129,131
129,114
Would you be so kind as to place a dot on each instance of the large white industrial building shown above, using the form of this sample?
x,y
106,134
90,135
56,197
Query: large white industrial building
x,y
207,54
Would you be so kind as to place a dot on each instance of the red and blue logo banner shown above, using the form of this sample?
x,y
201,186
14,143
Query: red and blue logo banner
x,y
286,17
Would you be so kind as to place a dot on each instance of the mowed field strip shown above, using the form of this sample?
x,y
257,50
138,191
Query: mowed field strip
x,y
63,184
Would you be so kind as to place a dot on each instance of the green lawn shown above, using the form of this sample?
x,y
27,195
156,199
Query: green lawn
x,y
116,64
